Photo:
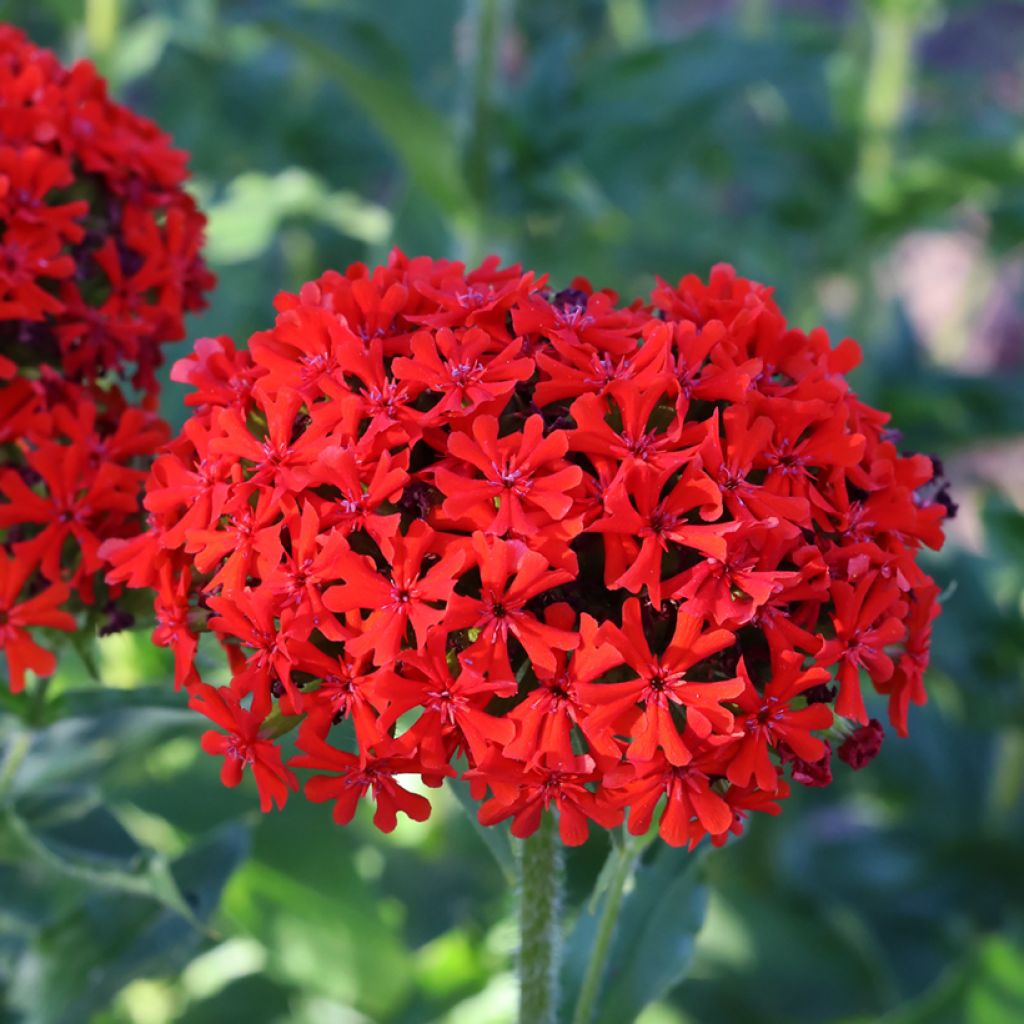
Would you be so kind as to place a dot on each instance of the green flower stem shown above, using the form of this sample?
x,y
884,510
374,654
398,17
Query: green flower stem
x,y
540,895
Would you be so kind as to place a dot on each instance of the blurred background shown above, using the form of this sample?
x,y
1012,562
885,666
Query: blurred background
x,y
867,159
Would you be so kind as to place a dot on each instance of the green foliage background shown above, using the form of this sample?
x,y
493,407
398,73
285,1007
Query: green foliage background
x,y
868,160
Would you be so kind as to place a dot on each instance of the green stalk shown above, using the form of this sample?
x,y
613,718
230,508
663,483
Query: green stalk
x,y
592,980
540,951
626,856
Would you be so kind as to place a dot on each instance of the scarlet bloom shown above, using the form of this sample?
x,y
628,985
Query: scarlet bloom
x,y
61,132
659,525
600,560
99,263
242,746
690,801
510,576
525,478
867,619
453,705
411,595
18,612
770,718
464,371
643,706
546,719
350,779
524,796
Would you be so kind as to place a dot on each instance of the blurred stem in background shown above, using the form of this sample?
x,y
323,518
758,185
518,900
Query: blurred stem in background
x,y
628,22
102,22
888,85
894,27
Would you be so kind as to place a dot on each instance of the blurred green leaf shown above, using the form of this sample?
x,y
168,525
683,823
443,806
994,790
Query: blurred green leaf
x,y
421,138
986,987
140,46
324,937
78,962
244,224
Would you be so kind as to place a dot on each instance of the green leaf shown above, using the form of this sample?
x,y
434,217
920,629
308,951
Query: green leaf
x,y
69,835
70,823
246,221
654,937
76,964
328,938
422,139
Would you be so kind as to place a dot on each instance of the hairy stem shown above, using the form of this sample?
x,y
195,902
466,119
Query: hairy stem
x,y
540,951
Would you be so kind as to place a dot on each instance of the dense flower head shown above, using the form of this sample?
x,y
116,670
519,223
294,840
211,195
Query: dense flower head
x,y
73,459
99,262
99,243
631,562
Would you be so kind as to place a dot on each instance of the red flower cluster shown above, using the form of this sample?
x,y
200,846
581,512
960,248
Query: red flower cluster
x,y
99,244
609,556
99,262
71,469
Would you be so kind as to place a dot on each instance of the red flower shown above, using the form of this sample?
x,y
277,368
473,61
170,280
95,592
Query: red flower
x,y
635,508
107,303
690,800
547,715
575,370
351,779
243,746
638,441
453,705
770,718
643,706
269,652
524,794
526,478
341,690
21,650
410,594
731,465
71,503
867,619
442,515
816,774
465,372
577,315
511,575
